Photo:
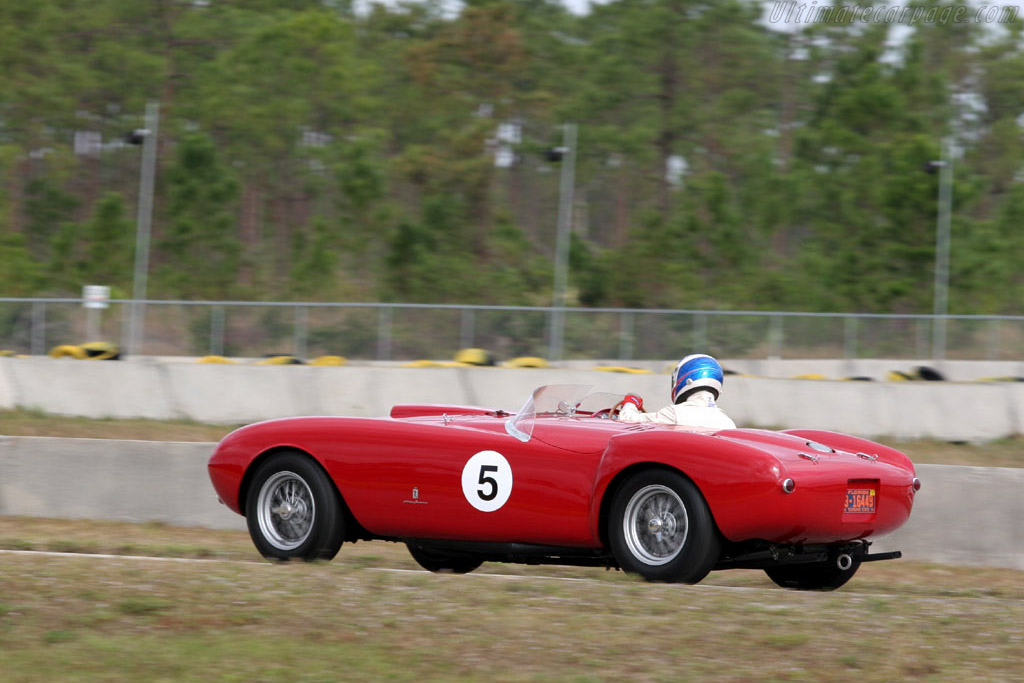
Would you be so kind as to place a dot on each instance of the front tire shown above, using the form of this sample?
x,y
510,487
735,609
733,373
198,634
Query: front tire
x,y
436,560
661,528
817,576
293,510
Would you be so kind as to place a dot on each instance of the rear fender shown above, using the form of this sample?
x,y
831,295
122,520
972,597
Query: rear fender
x,y
726,473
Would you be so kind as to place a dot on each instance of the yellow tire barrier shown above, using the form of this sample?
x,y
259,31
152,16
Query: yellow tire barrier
x,y
897,376
423,363
217,360
527,362
89,351
329,361
101,350
622,368
923,373
280,360
474,357
68,351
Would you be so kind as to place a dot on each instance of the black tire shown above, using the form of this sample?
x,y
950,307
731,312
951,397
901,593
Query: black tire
x,y
293,510
817,576
437,560
661,528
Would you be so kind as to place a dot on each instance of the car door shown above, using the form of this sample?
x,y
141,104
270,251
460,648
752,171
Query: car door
x,y
468,479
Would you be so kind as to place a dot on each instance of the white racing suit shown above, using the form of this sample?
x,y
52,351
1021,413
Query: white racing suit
x,y
698,410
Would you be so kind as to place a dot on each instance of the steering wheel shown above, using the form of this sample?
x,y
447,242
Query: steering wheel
x,y
606,413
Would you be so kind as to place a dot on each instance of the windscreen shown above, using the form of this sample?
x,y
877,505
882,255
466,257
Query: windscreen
x,y
546,401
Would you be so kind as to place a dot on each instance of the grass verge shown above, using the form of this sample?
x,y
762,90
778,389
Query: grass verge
x,y
80,618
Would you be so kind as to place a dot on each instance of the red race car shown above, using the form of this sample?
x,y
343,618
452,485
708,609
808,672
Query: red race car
x,y
564,482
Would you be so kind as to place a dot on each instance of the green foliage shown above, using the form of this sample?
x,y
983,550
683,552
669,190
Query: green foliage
x,y
309,151
47,207
201,251
109,244
20,275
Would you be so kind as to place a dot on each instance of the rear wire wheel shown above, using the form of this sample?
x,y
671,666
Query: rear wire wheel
x,y
661,528
293,510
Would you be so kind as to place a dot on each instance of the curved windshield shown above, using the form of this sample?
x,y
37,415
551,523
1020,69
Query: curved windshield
x,y
555,400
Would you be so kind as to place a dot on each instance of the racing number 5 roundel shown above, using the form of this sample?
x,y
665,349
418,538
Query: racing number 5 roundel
x,y
487,481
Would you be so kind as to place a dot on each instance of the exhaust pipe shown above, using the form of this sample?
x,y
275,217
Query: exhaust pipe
x,y
844,562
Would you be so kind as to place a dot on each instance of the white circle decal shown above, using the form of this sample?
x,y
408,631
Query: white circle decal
x,y
487,481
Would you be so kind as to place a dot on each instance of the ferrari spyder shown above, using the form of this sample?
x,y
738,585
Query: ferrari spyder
x,y
562,481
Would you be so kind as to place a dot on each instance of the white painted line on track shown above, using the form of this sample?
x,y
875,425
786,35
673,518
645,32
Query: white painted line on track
x,y
485,575
98,556
392,570
703,588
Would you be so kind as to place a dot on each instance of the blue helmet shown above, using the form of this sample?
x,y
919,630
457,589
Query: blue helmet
x,y
696,371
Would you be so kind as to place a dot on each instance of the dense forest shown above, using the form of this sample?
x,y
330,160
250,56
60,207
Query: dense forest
x,y
308,151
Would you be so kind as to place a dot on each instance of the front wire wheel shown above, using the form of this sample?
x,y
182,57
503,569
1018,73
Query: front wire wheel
x,y
661,528
293,510
285,510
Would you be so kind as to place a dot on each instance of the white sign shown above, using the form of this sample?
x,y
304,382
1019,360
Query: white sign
x,y
96,296
487,481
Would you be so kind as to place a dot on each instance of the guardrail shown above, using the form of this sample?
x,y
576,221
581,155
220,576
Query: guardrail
x,y
404,331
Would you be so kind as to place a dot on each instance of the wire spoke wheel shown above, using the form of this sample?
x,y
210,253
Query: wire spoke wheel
x,y
286,510
293,509
655,525
660,527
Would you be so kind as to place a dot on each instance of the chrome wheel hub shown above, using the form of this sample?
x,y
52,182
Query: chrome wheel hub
x,y
655,525
285,510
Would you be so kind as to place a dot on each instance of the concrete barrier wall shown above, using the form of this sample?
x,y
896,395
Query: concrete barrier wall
x,y
128,481
962,515
235,394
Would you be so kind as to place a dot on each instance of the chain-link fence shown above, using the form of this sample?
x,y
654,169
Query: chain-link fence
x,y
378,331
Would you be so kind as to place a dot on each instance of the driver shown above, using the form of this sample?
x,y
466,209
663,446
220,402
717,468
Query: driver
x,y
696,383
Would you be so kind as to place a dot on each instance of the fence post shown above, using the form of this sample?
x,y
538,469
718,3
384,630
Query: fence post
x,y
301,330
468,322
700,332
626,336
923,338
217,331
850,337
384,333
38,328
775,337
994,339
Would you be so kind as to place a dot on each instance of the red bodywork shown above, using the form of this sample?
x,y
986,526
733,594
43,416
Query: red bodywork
x,y
402,476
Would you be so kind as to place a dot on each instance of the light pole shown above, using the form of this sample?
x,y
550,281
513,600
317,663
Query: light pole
x,y
567,154
148,137
942,250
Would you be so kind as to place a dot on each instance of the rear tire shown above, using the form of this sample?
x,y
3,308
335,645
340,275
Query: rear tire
x,y
293,510
661,528
437,560
817,576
